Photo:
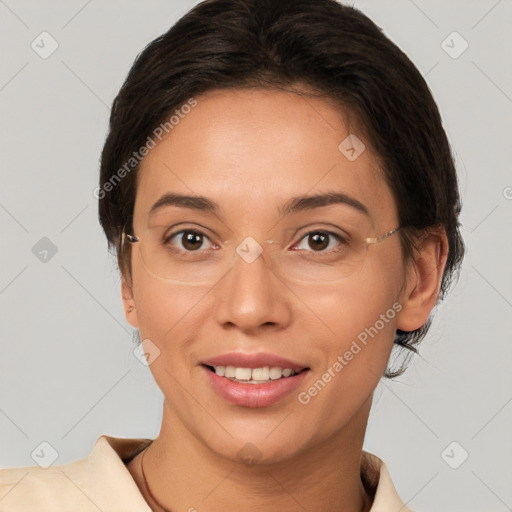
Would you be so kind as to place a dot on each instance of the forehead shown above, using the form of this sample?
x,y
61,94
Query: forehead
x,y
251,150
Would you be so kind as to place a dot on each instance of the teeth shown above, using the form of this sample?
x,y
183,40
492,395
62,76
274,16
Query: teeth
x,y
243,374
230,372
253,374
275,373
261,373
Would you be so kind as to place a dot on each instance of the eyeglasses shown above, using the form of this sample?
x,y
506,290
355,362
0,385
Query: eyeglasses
x,y
161,256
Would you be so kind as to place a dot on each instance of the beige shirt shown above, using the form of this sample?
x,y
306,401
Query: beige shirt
x,y
101,482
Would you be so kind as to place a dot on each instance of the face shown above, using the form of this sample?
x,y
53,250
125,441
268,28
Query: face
x,y
250,152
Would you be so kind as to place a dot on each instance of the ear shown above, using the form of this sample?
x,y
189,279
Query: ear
x,y
423,279
130,312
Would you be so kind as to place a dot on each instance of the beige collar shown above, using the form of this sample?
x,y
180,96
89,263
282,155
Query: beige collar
x,y
374,469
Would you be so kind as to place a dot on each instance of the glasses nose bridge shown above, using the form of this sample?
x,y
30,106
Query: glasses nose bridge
x,y
249,250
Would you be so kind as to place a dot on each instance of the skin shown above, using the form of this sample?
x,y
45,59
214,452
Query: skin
x,y
250,151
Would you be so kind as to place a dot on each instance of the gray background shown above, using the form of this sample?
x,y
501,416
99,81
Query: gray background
x,y
67,369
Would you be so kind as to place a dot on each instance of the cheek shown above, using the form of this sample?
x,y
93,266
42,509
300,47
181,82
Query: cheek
x,y
361,318
359,299
167,313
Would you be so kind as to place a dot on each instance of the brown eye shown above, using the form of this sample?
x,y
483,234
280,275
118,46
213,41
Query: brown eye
x,y
189,240
318,241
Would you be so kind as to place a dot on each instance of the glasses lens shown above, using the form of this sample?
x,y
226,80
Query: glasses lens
x,y
317,257
321,259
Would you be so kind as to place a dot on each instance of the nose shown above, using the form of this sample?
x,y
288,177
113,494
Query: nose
x,y
251,296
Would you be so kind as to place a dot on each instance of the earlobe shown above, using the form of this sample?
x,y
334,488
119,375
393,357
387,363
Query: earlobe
x,y
423,280
130,312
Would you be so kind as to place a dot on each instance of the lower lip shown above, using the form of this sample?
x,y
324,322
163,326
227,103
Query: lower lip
x,y
254,395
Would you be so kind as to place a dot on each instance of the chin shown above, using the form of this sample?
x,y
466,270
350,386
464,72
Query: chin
x,y
265,442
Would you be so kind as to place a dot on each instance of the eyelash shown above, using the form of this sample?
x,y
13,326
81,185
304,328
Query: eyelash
x,y
336,236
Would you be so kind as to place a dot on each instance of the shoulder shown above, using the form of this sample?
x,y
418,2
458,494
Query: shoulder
x,y
100,481
377,481
36,488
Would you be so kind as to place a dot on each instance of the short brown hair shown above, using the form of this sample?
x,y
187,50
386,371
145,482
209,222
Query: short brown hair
x,y
332,49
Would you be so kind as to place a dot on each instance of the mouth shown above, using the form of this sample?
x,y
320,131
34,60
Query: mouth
x,y
261,375
253,380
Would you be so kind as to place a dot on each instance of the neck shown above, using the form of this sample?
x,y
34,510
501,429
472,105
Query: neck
x,y
184,474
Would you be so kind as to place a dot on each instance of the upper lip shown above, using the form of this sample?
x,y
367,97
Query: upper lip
x,y
260,360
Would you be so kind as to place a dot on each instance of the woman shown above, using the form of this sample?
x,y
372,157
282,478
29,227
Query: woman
x,y
283,203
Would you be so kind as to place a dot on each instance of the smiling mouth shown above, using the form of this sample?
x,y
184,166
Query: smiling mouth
x,y
261,375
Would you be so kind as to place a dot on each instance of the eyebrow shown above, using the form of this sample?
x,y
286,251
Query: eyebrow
x,y
295,204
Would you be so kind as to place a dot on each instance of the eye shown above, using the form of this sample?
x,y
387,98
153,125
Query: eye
x,y
189,239
320,240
